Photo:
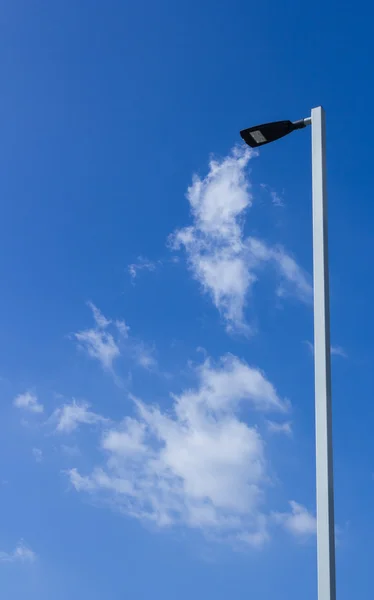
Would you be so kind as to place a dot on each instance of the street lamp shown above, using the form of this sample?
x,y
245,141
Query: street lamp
x,y
255,137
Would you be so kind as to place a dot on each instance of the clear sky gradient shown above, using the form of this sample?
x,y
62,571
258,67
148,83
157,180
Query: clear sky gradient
x,y
156,356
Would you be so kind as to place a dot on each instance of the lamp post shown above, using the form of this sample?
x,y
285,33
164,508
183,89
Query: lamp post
x,y
259,136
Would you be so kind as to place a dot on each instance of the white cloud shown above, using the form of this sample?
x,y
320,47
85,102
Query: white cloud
x,y
101,321
335,350
98,342
69,416
259,536
223,261
105,346
99,345
299,521
275,197
28,401
274,427
122,328
338,351
143,355
21,553
232,380
294,281
142,264
37,454
71,451
129,439
198,465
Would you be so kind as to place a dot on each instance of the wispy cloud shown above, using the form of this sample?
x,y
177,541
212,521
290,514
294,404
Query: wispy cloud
x,y
198,465
335,350
142,264
71,451
274,427
21,553
299,521
338,351
276,199
220,257
69,416
37,454
101,321
123,328
100,345
294,280
144,356
108,339
28,401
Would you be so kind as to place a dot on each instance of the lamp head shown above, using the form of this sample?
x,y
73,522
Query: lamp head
x,y
269,132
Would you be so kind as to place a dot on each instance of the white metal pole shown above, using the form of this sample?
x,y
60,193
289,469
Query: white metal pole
x,y
322,366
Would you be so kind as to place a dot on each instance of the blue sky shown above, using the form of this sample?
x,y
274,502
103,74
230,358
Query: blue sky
x,y
156,366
